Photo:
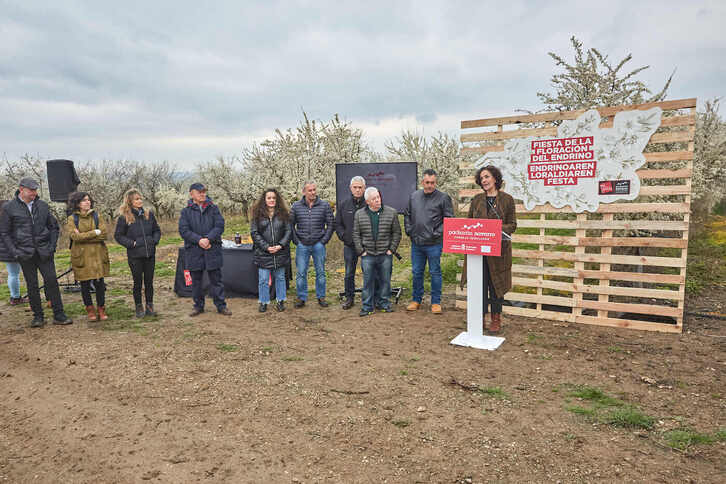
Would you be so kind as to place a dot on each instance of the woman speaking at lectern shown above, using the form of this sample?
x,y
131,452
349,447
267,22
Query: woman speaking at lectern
x,y
494,203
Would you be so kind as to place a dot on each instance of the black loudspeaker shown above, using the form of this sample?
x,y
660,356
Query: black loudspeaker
x,y
62,179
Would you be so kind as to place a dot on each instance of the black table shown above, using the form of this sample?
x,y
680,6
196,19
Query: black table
x,y
239,273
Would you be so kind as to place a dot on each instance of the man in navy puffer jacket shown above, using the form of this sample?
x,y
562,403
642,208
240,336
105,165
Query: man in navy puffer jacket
x,y
312,227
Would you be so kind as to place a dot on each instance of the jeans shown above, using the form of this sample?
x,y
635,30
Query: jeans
x,y
100,287
52,293
13,279
216,288
263,284
491,297
351,261
419,255
142,269
376,281
302,260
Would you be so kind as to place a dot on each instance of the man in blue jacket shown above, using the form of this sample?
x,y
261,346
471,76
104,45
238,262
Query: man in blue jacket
x,y
201,226
312,227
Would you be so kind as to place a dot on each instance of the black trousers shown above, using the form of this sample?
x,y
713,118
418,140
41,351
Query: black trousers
x,y
216,288
351,261
489,295
142,269
52,293
99,285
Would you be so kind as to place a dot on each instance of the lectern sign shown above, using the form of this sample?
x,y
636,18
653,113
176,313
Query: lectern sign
x,y
473,236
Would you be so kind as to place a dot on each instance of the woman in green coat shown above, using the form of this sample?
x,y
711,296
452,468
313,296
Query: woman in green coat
x,y
89,255
494,203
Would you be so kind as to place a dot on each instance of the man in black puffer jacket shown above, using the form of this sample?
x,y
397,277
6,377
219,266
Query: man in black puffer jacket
x,y
344,214
30,233
312,227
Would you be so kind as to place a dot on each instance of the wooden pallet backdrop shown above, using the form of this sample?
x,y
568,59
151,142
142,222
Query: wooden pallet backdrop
x,y
594,268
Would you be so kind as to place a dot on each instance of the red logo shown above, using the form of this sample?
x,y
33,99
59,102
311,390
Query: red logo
x,y
187,277
606,187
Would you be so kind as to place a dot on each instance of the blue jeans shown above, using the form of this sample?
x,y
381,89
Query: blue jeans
x,y
420,254
351,261
13,279
263,284
376,281
302,261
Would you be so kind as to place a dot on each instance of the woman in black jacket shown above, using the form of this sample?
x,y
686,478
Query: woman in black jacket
x,y
138,231
271,231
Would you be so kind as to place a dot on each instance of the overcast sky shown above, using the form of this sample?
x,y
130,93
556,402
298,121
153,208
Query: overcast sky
x,y
188,81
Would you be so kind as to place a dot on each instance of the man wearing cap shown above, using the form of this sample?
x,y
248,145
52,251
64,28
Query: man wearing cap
x,y
30,233
201,226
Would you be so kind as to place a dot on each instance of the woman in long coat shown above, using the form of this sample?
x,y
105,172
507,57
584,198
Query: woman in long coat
x,y
494,203
271,232
89,255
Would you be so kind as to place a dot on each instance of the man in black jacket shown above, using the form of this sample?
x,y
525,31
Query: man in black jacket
x,y
201,225
344,228
30,233
424,223
312,227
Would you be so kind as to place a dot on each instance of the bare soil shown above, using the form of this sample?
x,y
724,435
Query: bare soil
x,y
317,394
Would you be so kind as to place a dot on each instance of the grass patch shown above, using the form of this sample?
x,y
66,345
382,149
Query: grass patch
x,y
227,347
604,408
707,256
629,417
595,395
493,392
684,438
164,269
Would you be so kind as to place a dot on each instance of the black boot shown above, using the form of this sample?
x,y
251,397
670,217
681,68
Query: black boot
x,y
348,303
139,311
263,307
280,306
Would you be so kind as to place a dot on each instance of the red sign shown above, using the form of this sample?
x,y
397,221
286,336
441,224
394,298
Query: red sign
x,y
562,161
473,236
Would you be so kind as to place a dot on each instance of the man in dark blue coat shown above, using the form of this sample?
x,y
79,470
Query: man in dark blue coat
x,y
312,227
201,226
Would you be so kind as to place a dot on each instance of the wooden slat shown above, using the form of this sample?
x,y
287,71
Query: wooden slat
x,y
624,207
545,271
628,323
533,298
558,116
544,239
599,224
668,242
599,289
665,156
632,308
501,135
673,136
540,314
479,149
635,277
644,191
599,258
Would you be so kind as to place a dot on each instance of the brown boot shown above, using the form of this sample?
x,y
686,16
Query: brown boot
x,y
91,313
102,313
496,325
484,322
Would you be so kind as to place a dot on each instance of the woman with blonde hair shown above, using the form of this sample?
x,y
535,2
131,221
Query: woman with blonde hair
x,y
89,255
138,231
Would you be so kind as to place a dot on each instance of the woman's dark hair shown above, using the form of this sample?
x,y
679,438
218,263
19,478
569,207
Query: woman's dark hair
x,y
74,200
495,172
259,209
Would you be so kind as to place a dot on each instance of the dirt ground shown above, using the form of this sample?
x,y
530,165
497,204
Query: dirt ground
x,y
317,394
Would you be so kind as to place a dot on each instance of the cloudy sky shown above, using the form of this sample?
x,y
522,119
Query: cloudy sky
x,y
188,81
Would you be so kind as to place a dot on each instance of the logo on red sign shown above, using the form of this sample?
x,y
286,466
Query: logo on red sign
x,y
473,236
562,161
